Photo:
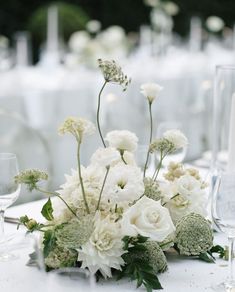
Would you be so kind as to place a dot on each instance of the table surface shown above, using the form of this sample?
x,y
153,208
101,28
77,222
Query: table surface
x,y
183,275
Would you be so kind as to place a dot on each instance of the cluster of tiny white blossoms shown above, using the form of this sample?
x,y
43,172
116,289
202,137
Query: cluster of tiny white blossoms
x,y
104,206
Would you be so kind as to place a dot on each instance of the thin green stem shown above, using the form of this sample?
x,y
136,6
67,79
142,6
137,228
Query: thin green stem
x,y
57,195
98,113
102,188
150,137
154,177
122,156
80,176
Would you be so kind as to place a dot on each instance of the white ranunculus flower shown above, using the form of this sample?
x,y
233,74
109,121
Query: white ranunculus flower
x,y
147,218
188,197
214,23
122,140
124,183
177,138
104,249
151,90
105,156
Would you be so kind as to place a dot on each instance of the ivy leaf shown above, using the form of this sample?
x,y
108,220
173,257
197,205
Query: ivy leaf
x,y
47,210
48,242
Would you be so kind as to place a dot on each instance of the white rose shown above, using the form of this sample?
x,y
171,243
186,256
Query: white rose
x,y
122,140
147,218
151,90
177,138
105,156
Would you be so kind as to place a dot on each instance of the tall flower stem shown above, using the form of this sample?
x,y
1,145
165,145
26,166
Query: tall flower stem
x,y
80,176
102,188
57,195
150,137
98,113
230,259
155,175
2,212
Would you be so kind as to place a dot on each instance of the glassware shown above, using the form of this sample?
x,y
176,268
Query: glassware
x,y
9,191
223,143
176,156
223,214
70,280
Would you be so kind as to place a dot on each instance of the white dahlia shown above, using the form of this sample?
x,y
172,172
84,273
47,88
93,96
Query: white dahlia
x,y
104,249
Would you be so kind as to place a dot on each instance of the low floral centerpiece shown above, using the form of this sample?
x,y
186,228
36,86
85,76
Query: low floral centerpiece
x,y
110,217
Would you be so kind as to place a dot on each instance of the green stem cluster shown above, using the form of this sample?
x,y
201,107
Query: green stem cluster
x,y
102,188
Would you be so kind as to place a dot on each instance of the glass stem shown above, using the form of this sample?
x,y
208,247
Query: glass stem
x,y
230,258
2,212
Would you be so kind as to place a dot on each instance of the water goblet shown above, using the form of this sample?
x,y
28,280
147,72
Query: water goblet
x,y
223,214
9,192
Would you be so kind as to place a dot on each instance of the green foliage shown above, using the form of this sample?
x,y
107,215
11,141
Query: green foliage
x,y
49,242
47,210
138,269
31,224
71,19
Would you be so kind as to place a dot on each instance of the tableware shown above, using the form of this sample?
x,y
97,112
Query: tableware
x,y
9,192
223,214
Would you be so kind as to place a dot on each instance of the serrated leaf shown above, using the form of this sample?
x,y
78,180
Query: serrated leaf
x,y
47,210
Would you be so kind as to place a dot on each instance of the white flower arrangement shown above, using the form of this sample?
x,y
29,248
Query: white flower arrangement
x,y
109,217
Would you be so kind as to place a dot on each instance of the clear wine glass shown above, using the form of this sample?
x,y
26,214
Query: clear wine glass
x,y
9,191
176,156
223,214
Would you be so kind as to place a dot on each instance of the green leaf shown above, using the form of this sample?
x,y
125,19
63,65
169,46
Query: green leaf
x,y
47,210
206,257
219,250
48,242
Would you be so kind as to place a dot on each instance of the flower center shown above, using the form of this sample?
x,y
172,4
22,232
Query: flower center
x,y
153,217
121,184
105,242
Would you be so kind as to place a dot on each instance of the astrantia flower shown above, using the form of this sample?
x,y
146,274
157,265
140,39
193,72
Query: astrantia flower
x,y
188,197
113,73
124,183
194,235
122,140
147,218
104,249
77,127
105,156
177,138
151,91
31,178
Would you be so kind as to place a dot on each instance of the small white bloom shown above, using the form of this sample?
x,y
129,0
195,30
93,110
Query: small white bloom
x,y
188,196
124,183
93,26
122,140
105,156
147,218
104,249
171,8
151,90
214,23
79,41
177,138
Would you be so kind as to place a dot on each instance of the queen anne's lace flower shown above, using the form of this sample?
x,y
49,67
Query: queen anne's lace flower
x,y
152,190
122,140
104,249
124,183
151,91
194,235
77,127
113,73
61,257
31,178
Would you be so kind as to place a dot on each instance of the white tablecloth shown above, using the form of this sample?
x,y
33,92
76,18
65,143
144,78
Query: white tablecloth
x,y
183,275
